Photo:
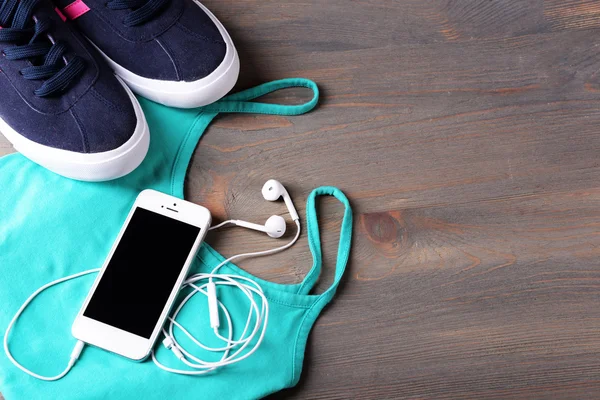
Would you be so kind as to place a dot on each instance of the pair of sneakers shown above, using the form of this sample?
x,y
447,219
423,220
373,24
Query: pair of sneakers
x,y
61,104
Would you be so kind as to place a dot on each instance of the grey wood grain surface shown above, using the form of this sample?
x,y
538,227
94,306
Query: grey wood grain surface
x,y
467,137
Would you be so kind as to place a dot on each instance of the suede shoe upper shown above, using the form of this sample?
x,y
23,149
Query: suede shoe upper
x,y
88,112
168,40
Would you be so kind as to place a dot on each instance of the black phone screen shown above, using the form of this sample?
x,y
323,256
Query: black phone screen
x,y
140,276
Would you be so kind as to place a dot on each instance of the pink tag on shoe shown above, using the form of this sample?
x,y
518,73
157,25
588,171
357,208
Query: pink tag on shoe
x,y
75,10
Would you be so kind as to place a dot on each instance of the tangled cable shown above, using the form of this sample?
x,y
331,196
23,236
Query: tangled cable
x,y
232,349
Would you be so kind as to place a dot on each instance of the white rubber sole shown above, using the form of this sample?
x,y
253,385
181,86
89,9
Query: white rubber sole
x,y
187,94
92,167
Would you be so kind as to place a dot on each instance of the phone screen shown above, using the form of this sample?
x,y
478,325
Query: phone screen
x,y
140,276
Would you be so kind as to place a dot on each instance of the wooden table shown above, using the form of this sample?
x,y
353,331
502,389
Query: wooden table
x,y
467,136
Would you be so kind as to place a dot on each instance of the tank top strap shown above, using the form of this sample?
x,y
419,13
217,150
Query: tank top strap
x,y
192,123
314,241
241,102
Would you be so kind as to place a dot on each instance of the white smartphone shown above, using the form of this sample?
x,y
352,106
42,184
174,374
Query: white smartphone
x,y
139,281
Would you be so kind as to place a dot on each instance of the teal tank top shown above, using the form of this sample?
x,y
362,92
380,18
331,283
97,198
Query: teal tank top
x,y
51,227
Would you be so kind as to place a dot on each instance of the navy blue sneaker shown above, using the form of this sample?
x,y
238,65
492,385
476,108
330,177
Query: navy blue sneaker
x,y
174,52
61,105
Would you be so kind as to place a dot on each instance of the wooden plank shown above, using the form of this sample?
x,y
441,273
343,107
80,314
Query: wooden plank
x,y
466,136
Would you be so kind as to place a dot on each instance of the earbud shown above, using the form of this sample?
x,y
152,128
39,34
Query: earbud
x,y
274,227
273,190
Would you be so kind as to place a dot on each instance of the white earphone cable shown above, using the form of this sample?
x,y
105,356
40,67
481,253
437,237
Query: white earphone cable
x,y
229,221
246,285
78,346
261,253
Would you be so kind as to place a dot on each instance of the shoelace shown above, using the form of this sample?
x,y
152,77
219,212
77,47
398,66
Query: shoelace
x,y
143,10
47,58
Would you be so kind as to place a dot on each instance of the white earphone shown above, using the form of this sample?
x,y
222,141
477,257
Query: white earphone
x,y
272,190
233,350
275,226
